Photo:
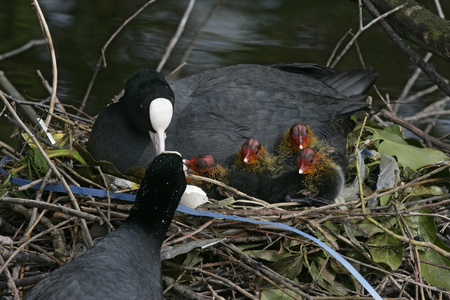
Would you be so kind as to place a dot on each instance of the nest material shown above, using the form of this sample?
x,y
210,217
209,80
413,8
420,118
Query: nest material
x,y
396,245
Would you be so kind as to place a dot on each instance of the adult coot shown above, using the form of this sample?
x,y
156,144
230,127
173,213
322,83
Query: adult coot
x,y
217,110
126,132
126,263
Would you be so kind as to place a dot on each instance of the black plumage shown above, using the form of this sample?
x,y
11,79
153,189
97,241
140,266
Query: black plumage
x,y
125,264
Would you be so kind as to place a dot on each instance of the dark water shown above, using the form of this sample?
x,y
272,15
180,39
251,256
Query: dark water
x,y
263,32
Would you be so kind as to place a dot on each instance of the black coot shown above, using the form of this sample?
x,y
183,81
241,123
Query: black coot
x,y
126,263
217,110
127,131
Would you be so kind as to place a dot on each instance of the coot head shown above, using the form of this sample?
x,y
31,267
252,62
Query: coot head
x,y
300,136
250,151
306,161
149,102
201,164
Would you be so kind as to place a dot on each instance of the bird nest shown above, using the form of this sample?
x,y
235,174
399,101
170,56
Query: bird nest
x,y
396,236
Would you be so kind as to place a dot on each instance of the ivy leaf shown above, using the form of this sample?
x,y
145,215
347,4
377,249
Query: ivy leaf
x,y
37,162
386,249
408,155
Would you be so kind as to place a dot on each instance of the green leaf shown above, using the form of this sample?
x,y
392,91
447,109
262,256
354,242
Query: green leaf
x,y
424,191
327,278
425,227
192,258
37,162
391,133
435,275
268,255
410,156
386,249
275,294
290,266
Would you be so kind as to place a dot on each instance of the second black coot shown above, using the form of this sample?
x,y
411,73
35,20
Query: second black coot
x,y
216,111
125,264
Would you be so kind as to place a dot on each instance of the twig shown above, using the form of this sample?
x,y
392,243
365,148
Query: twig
x,y
443,166
52,56
52,207
10,281
410,240
86,234
224,280
102,55
231,189
409,84
7,86
49,89
188,50
413,56
336,47
177,35
390,116
35,237
22,48
362,28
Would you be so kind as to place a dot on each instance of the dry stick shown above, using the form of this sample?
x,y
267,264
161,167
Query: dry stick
x,y
423,115
224,280
7,86
197,33
358,170
409,84
102,56
406,185
22,48
35,237
38,199
267,271
362,28
10,281
177,35
231,189
336,47
413,56
168,243
49,89
44,27
108,197
52,207
86,234
415,75
410,240
415,254
259,274
392,117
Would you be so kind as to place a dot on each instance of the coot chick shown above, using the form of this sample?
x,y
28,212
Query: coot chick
x,y
125,264
219,109
268,185
253,157
206,166
126,132
321,175
297,137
